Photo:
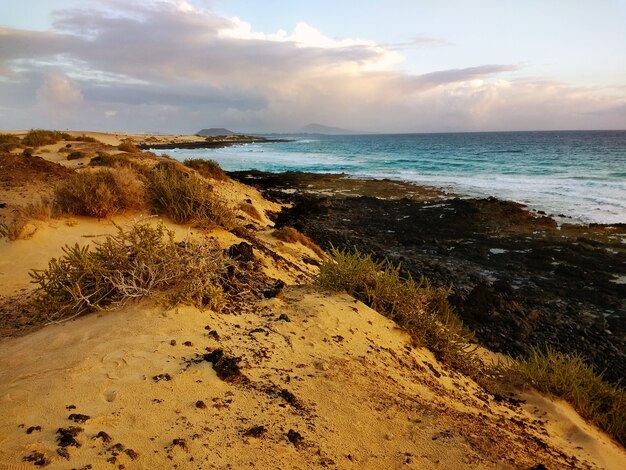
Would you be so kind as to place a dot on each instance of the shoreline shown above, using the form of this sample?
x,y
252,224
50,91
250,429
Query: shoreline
x,y
519,280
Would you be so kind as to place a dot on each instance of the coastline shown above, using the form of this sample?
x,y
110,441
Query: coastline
x,y
518,279
141,383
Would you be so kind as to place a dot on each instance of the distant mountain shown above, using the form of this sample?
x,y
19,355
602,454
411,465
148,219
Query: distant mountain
x,y
214,132
314,128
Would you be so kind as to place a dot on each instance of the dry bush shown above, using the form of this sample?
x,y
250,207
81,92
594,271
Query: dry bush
x,y
569,377
251,211
41,209
422,310
207,168
291,235
39,137
128,146
187,198
77,155
131,264
8,142
121,160
100,192
86,138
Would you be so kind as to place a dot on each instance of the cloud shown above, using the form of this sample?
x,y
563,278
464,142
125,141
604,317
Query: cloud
x,y
58,93
172,66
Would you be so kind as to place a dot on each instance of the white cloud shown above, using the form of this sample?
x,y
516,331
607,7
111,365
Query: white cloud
x,y
58,93
172,66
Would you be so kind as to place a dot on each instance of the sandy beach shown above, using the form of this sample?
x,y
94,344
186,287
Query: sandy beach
x,y
285,374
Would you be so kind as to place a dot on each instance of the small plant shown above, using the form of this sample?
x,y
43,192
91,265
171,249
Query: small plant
x,y
422,310
186,198
131,264
8,142
291,235
100,192
251,211
85,138
569,377
207,168
77,155
128,146
120,160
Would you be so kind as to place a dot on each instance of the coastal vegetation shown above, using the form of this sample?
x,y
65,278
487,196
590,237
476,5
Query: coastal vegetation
x,y
186,198
100,192
291,235
133,263
40,137
207,168
424,313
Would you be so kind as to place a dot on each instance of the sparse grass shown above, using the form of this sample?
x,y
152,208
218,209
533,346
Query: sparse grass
x,y
86,138
207,168
422,310
251,211
131,264
120,160
569,377
14,229
291,235
100,192
187,198
9,142
128,146
39,137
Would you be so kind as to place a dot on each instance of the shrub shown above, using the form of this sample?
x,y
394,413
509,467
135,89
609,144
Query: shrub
x,y
77,155
569,377
422,310
207,168
121,160
39,137
250,210
186,198
131,264
9,142
14,229
128,146
291,235
100,193
85,138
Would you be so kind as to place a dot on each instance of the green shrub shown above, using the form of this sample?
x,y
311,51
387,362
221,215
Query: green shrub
x,y
186,198
422,310
569,377
100,192
131,264
207,168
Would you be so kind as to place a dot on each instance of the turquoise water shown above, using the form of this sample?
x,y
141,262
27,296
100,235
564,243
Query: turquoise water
x,y
581,175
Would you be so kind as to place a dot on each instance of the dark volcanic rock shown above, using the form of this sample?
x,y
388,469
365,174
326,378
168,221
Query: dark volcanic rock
x,y
518,280
241,252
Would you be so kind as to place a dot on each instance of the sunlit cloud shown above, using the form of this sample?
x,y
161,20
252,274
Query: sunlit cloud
x,y
173,66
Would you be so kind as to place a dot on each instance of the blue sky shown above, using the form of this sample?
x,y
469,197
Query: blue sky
x,y
393,66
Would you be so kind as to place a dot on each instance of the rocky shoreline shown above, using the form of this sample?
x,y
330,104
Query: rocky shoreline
x,y
517,279
208,142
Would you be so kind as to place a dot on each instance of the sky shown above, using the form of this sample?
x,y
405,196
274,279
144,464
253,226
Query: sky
x,y
394,66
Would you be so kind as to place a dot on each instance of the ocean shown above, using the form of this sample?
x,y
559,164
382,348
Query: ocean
x,y
575,176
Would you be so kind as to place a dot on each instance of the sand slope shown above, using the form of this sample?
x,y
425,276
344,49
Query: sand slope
x,y
338,374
